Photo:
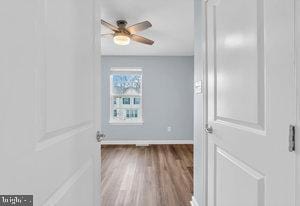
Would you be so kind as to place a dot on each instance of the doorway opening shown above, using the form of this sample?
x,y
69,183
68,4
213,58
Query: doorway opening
x,y
147,111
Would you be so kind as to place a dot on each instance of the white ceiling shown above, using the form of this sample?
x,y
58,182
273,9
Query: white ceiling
x,y
172,26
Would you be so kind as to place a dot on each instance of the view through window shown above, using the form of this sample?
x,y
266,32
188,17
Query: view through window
x,y
126,96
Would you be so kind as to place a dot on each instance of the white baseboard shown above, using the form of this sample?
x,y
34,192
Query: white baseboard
x,y
194,202
145,142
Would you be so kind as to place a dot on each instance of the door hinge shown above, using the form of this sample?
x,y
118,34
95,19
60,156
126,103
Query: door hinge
x,y
292,141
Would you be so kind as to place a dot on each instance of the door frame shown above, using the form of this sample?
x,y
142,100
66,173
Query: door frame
x,y
200,52
297,71
98,97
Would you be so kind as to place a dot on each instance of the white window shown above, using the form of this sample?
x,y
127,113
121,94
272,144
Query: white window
x,y
126,96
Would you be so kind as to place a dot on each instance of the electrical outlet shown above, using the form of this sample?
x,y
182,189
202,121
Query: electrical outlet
x,y
169,128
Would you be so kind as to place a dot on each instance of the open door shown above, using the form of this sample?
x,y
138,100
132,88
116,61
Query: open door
x,y
48,121
251,102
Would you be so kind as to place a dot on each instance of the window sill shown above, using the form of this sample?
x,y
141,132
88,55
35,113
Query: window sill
x,y
126,123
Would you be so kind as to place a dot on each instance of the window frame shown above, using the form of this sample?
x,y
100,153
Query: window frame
x,y
126,71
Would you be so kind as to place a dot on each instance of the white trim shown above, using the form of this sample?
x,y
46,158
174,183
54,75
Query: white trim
x,y
126,69
204,142
145,142
297,70
130,123
97,100
201,54
194,202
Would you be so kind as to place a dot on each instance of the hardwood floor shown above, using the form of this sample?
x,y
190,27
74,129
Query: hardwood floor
x,y
157,175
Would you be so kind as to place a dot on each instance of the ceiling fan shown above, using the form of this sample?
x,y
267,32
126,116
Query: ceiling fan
x,y
122,34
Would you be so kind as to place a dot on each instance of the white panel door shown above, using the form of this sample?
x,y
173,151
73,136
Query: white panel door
x,y
48,118
251,102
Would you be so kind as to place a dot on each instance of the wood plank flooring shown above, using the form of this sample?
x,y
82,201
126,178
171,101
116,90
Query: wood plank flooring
x,y
157,175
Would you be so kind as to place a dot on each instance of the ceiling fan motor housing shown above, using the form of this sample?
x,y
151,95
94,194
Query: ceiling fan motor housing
x,y
121,23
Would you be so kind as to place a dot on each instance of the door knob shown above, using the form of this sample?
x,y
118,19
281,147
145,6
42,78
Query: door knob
x,y
100,136
209,129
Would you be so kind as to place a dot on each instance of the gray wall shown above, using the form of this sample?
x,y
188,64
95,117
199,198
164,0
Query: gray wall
x,y
167,98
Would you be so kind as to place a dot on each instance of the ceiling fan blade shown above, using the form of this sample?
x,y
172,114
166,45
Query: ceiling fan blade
x,y
108,25
107,35
139,27
141,39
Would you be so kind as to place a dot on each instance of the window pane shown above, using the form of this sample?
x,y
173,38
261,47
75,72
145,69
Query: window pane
x,y
135,113
126,100
137,100
126,84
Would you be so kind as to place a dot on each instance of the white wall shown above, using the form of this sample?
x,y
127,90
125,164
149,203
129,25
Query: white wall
x,y
167,98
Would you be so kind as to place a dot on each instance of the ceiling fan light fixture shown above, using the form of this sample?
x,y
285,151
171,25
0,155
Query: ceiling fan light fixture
x,y
121,39
122,35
